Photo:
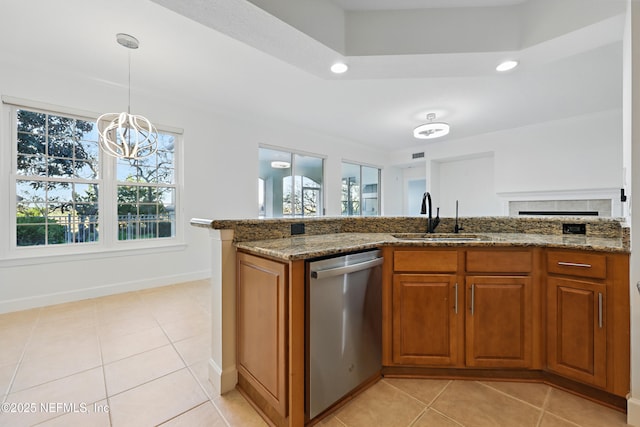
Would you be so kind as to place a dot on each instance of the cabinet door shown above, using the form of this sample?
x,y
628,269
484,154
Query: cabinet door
x,y
425,319
499,321
261,327
576,333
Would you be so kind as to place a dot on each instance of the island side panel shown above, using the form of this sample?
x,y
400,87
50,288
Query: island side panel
x,y
387,306
297,279
223,373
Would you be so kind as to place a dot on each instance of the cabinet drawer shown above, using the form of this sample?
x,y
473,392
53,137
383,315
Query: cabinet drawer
x,y
484,261
577,264
426,261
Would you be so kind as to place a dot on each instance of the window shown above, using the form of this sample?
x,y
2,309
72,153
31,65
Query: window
x,y
289,184
56,182
360,190
62,197
147,193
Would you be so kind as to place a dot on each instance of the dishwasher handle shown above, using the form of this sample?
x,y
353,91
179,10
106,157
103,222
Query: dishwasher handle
x,y
338,271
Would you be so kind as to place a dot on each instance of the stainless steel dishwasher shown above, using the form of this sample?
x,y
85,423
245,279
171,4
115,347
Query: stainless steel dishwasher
x,y
344,326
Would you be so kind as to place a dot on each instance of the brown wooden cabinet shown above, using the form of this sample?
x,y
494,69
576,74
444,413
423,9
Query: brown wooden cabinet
x,y
500,301
262,328
499,321
587,318
492,311
576,334
426,324
459,307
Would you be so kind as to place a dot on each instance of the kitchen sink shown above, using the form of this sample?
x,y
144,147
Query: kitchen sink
x,y
441,237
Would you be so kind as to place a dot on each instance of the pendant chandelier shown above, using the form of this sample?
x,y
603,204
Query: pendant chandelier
x,y
125,135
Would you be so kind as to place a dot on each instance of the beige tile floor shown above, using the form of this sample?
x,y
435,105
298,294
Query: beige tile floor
x,y
140,359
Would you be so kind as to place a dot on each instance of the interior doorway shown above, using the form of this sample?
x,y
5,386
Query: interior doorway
x,y
415,188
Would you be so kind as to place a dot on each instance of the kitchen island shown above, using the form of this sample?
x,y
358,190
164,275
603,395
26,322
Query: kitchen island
x,y
503,261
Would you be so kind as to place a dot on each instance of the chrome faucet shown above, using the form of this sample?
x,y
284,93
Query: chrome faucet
x,y
432,223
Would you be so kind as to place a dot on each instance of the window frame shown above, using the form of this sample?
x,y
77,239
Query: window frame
x,y
293,166
361,186
107,182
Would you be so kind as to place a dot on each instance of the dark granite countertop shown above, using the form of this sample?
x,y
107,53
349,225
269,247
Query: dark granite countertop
x,y
307,247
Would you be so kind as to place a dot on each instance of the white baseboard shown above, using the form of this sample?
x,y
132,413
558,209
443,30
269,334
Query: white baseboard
x,y
633,412
98,291
222,381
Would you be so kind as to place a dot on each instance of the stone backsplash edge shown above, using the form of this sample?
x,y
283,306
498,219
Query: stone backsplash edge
x,y
277,228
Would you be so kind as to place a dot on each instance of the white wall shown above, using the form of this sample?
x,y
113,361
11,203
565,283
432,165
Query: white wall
x,y
220,181
631,99
467,180
578,154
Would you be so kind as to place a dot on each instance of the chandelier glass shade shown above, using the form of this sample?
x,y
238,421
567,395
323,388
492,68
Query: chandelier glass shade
x,y
125,135
432,129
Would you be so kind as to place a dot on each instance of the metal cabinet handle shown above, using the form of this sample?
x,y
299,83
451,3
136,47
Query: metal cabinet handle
x,y
600,310
455,304
473,297
573,264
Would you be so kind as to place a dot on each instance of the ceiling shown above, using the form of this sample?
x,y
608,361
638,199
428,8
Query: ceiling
x,y
269,59
418,4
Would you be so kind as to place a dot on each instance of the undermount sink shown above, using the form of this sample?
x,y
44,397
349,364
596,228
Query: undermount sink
x,y
440,237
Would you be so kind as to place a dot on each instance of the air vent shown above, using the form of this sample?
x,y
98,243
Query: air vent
x,y
417,155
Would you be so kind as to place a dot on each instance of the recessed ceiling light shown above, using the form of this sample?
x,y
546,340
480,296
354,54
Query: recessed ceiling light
x,y
339,67
280,165
507,65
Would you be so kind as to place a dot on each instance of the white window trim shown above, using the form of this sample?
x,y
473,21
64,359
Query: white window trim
x,y
13,255
310,154
368,165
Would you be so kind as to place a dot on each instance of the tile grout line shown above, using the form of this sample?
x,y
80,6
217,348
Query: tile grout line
x,y
186,366
447,417
21,358
104,377
209,398
415,420
342,423
76,373
547,400
437,396
180,414
104,373
514,397
427,405
544,406
108,396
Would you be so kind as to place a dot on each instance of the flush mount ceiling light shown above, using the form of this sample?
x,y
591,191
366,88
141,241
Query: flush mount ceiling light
x,y
125,135
276,164
339,68
432,129
507,65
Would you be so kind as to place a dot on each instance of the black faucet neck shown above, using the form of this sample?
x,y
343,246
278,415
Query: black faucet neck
x,y
432,223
